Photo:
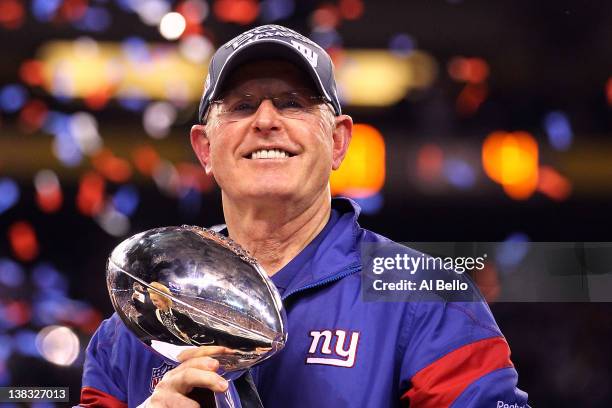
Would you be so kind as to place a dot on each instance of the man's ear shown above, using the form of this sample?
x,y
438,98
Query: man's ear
x,y
341,138
201,146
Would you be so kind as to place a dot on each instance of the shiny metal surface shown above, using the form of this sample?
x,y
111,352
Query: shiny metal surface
x,y
178,287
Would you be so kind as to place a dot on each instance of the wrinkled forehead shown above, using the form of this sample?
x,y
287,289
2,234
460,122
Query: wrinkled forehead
x,y
268,76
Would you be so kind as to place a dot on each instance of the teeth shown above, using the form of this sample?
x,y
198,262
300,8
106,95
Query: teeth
x,y
269,154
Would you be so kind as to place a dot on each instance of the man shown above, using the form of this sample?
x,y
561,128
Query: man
x,y
271,132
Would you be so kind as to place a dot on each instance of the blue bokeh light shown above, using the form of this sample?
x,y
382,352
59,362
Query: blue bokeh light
x,y
126,199
48,279
25,343
6,346
9,194
95,19
274,10
11,273
67,150
402,44
12,97
326,38
136,49
512,250
459,173
44,10
559,130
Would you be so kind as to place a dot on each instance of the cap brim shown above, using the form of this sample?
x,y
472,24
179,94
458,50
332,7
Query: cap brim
x,y
264,50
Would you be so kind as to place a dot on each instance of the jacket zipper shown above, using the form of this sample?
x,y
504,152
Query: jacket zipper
x,y
349,271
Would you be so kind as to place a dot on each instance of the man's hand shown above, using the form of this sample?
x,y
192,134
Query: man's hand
x,y
197,370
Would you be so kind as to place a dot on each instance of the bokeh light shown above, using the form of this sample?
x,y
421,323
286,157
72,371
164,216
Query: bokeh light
x,y
84,127
145,159
552,184
402,44
126,199
111,167
112,221
33,115
351,9
23,241
9,194
236,11
194,11
196,48
157,119
559,130
49,195
11,14
31,72
12,97
11,273
58,345
274,10
90,196
512,250
472,70
429,162
151,12
172,26
362,172
511,159
459,173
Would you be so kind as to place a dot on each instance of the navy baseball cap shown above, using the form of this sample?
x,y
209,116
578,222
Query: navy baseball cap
x,y
267,42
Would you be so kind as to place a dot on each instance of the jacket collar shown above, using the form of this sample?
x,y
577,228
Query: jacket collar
x,y
333,255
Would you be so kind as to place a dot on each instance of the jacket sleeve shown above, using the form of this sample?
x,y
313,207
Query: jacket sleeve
x,y
457,357
104,371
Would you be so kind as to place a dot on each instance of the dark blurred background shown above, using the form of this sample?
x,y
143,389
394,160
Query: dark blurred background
x,y
478,121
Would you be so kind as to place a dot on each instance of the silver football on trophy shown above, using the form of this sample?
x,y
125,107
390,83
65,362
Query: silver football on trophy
x,y
183,287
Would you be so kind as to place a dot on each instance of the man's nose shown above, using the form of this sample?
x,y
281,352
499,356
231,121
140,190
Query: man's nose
x,y
267,118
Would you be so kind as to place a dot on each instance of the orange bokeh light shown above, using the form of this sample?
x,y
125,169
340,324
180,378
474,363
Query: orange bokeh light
x,y
472,70
90,197
326,16
430,159
72,10
553,185
145,159
609,91
470,98
236,11
11,14
33,115
23,241
351,9
511,159
362,172
31,72
99,98
114,168
49,200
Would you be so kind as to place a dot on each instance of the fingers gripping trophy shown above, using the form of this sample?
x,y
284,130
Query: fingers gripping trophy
x,y
180,289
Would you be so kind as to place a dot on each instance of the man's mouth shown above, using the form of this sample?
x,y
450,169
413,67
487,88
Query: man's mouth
x,y
269,154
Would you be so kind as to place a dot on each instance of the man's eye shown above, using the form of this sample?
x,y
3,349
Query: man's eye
x,y
243,106
291,103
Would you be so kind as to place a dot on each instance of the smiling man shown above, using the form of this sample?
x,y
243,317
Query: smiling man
x,y
271,133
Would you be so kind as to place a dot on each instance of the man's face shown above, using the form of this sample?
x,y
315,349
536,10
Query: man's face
x,y
232,150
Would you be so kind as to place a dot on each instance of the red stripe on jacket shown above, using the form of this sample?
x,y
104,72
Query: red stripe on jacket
x,y
440,383
91,397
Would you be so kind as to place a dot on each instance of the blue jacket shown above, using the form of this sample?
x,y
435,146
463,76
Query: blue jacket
x,y
341,350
